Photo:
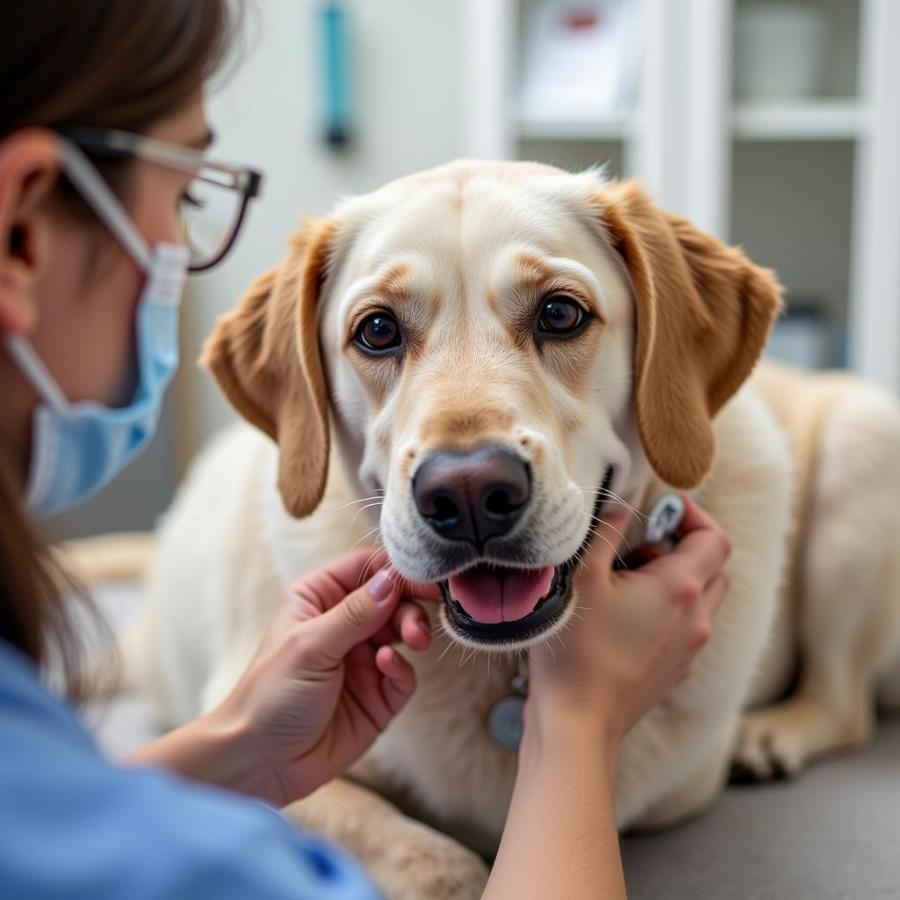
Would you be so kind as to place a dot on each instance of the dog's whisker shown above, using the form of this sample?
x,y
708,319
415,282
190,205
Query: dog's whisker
x,y
367,535
599,521
579,557
614,497
357,502
362,509
367,568
610,545
449,646
550,650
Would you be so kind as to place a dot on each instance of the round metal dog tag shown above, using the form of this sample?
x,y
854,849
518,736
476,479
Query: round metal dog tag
x,y
506,722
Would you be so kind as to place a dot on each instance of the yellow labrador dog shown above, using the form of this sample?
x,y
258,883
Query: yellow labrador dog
x,y
469,365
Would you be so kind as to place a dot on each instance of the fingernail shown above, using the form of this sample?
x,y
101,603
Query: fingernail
x,y
380,586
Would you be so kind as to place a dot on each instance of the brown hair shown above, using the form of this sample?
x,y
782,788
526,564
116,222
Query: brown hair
x,y
99,64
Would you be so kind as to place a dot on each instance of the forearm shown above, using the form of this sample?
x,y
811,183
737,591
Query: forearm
x,y
560,837
215,751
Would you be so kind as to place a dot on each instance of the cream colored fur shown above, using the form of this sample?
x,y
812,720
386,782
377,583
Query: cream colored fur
x,y
839,610
441,787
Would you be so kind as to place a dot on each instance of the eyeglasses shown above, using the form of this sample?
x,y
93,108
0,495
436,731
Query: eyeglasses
x,y
215,204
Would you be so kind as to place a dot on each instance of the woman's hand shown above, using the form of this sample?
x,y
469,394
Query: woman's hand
x,y
323,685
635,635
633,641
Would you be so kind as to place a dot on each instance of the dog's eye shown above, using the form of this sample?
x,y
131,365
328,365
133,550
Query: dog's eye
x,y
378,332
559,315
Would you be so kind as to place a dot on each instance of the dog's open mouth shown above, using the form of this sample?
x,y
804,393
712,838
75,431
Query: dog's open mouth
x,y
493,605
499,605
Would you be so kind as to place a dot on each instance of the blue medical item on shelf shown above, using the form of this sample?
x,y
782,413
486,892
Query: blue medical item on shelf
x,y
335,60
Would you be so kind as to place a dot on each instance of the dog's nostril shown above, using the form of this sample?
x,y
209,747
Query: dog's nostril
x,y
445,509
499,502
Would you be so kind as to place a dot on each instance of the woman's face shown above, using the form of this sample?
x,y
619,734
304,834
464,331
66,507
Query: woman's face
x,y
66,283
86,336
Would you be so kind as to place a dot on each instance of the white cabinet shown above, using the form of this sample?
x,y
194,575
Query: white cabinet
x,y
809,185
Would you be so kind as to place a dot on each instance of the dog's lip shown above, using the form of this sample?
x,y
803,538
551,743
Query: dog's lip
x,y
546,612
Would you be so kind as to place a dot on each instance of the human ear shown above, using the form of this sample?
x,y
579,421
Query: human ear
x,y
29,170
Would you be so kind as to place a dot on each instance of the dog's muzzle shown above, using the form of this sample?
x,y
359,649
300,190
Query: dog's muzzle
x,y
492,604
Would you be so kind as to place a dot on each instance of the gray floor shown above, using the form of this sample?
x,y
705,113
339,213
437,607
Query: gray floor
x,y
832,834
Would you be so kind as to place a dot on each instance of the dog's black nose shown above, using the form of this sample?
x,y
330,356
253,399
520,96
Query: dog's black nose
x,y
472,496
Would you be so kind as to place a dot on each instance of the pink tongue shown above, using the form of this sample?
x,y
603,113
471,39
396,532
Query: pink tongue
x,y
492,595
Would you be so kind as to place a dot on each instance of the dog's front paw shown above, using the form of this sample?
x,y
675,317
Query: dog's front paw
x,y
777,742
764,751
422,864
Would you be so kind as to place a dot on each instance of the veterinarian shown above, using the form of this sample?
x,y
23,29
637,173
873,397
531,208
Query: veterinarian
x,y
102,148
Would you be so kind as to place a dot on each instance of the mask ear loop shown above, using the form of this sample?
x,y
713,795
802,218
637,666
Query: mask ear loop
x,y
38,374
104,202
98,194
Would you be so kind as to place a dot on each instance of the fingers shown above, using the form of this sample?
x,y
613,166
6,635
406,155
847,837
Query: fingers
x,y
408,624
702,552
357,617
318,591
695,517
399,678
421,590
706,544
412,625
699,622
715,593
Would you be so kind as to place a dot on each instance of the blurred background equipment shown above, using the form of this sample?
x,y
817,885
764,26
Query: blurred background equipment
x,y
774,124
581,60
336,73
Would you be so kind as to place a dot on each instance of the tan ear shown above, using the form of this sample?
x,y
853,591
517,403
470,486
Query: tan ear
x,y
265,356
703,317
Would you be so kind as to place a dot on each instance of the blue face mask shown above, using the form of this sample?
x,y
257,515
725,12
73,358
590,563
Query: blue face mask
x,y
77,448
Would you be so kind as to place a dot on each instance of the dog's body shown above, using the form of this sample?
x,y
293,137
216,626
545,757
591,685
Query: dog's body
x,y
836,633
647,388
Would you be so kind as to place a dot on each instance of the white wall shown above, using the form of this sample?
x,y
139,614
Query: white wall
x,y
406,76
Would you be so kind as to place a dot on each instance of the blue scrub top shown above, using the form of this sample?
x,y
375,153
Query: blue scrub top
x,y
74,825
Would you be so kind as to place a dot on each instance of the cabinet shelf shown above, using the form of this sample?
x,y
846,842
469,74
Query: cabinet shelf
x,y
605,127
732,163
800,121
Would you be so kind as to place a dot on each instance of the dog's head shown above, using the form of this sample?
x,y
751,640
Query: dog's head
x,y
496,348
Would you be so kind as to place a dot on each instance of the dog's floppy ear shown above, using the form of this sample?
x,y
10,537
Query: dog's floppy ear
x,y
265,356
703,316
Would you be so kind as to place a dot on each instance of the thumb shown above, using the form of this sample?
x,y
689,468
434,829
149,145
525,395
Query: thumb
x,y
609,541
356,618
